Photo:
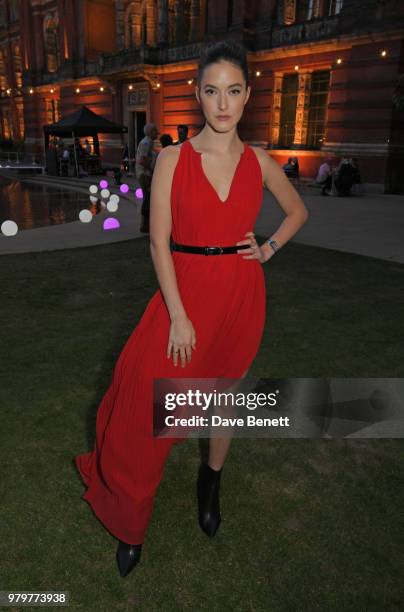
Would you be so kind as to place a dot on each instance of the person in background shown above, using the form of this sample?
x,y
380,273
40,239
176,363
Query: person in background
x,y
87,147
80,151
357,174
291,168
166,140
324,176
182,130
144,170
344,177
65,161
61,147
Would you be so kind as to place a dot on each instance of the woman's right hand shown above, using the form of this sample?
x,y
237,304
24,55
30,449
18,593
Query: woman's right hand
x,y
182,340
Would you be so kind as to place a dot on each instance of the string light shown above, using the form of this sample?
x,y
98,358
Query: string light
x,y
296,67
258,73
339,61
77,90
31,91
130,87
101,89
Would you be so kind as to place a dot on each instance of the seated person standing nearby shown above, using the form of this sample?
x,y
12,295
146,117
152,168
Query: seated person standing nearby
x,y
324,176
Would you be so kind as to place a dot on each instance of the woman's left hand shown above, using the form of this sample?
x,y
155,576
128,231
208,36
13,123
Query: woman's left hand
x,y
255,251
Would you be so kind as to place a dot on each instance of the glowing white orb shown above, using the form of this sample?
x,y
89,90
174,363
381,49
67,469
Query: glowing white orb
x,y
9,228
112,206
104,193
114,198
93,188
85,215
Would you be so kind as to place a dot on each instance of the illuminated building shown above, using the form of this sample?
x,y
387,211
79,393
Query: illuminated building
x,y
325,73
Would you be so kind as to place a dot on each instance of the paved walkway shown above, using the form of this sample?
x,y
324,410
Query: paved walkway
x,y
366,224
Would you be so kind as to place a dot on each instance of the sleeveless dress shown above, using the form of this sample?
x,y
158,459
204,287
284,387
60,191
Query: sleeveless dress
x,y
224,296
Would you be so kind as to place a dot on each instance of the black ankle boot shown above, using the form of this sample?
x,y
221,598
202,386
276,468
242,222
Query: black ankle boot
x,y
208,499
127,556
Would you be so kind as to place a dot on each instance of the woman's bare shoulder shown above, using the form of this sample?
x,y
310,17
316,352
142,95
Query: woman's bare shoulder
x,y
170,152
262,158
259,152
167,159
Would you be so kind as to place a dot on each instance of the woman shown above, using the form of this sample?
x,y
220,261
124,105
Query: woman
x,y
208,315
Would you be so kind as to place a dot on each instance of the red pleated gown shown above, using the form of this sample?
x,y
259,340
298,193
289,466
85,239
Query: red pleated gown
x,y
223,295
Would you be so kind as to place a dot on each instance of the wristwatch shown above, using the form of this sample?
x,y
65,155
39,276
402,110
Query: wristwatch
x,y
273,244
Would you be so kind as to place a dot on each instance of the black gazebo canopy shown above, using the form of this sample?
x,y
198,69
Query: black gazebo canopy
x,y
83,122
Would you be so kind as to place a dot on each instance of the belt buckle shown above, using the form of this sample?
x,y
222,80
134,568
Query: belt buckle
x,y
213,250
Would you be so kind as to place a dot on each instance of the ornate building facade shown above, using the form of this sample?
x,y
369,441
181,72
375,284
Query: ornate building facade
x,y
325,74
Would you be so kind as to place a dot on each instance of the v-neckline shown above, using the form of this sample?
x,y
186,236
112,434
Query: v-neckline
x,y
233,180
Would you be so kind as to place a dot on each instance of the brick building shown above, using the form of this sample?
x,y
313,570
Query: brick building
x,y
325,73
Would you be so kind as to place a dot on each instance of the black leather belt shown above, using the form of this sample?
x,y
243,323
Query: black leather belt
x,y
207,250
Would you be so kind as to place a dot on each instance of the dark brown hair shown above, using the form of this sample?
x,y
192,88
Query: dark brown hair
x,y
230,51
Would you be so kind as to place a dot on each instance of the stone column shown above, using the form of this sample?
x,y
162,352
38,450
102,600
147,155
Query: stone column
x,y
302,109
276,108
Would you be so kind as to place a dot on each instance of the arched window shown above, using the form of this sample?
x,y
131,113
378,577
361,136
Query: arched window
x,y
334,7
130,22
138,19
179,22
51,39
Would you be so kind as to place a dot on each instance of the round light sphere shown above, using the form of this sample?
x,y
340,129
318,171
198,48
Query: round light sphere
x,y
112,206
85,215
114,198
9,228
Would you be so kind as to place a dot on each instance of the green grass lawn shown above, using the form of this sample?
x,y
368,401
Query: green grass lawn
x,y
308,525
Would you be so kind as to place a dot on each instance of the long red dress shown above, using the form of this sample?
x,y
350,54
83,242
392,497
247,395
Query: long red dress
x,y
224,297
